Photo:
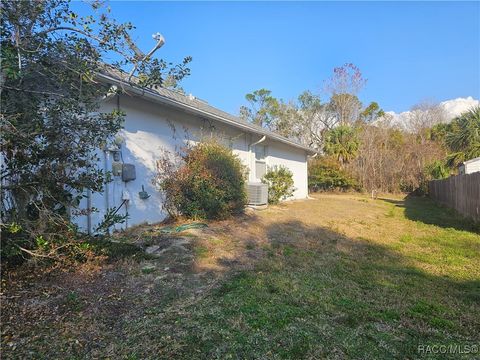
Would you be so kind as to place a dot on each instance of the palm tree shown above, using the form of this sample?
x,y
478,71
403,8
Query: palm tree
x,y
463,138
342,142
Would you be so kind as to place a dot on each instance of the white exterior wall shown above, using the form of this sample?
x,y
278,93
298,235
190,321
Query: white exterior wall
x,y
472,166
148,132
279,154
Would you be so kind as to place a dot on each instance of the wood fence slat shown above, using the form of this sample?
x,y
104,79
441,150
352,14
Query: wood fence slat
x,y
461,192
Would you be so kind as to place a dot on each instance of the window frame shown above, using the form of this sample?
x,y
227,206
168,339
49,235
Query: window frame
x,y
262,160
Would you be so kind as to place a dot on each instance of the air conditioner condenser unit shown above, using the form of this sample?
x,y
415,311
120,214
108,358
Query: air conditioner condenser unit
x,y
257,193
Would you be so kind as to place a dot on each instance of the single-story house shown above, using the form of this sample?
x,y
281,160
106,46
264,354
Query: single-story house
x,y
159,120
469,166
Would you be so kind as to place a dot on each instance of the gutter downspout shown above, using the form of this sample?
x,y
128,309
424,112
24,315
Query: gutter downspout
x,y
259,141
308,195
112,91
89,212
106,192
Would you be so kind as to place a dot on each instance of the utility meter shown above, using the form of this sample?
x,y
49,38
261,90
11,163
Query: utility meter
x,y
117,168
128,172
116,155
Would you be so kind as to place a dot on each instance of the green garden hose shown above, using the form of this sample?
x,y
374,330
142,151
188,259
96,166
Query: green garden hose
x,y
175,229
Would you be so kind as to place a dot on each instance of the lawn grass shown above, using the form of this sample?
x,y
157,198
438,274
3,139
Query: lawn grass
x,y
371,284
341,276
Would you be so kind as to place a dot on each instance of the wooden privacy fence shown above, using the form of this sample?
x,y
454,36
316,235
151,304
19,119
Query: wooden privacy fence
x,y
461,192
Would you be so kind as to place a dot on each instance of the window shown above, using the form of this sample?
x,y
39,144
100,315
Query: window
x,y
260,163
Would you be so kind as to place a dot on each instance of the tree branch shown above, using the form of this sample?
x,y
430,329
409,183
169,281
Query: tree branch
x,y
34,91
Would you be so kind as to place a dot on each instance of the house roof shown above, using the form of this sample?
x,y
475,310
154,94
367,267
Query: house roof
x,y
192,105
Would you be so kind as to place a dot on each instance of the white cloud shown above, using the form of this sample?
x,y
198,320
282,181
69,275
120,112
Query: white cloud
x,y
451,108
455,107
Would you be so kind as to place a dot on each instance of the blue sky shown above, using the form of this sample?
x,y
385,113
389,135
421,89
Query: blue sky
x,y
408,51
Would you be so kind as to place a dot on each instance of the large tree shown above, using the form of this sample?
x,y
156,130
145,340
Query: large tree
x,y
262,109
307,119
314,118
343,87
304,119
50,124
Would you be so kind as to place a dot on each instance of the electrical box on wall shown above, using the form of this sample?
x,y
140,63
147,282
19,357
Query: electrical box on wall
x,y
125,195
128,172
117,168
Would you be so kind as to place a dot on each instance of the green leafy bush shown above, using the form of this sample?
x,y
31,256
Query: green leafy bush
x,y
208,183
435,170
53,242
280,184
325,174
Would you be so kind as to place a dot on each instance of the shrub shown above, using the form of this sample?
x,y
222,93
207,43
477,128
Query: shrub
x,y
208,182
56,241
435,170
280,184
325,174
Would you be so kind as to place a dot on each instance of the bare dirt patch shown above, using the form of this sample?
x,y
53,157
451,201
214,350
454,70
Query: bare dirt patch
x,y
89,305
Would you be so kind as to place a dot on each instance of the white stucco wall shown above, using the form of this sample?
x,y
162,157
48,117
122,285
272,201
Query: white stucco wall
x,y
148,133
294,159
472,166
